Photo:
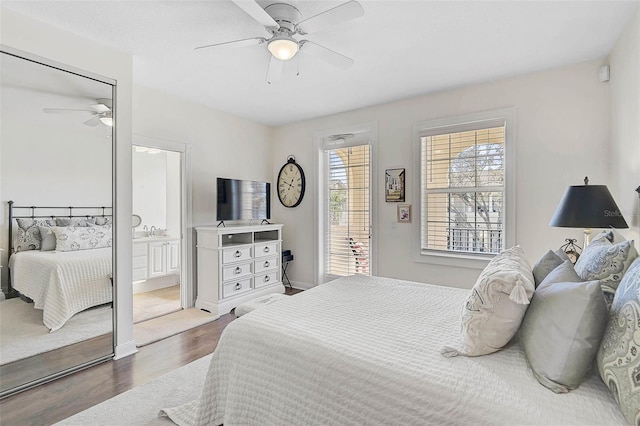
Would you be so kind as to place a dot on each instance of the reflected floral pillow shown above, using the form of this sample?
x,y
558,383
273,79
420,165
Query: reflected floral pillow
x,y
28,233
73,238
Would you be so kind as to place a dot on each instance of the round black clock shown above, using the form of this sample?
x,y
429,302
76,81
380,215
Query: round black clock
x,y
291,183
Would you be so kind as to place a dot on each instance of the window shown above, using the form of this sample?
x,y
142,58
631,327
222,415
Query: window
x,y
463,187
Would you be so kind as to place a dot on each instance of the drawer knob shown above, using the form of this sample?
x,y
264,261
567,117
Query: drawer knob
x,y
267,249
237,253
237,271
266,264
266,279
238,286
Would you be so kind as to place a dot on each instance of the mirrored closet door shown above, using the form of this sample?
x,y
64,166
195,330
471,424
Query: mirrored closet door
x,y
56,189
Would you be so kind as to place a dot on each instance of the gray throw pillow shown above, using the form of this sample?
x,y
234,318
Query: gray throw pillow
x,y
546,264
48,241
619,355
562,329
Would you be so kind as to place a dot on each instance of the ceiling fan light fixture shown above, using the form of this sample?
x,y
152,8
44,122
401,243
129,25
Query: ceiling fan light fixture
x,y
107,121
283,47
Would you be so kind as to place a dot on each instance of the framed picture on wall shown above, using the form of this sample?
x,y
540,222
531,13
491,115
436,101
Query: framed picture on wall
x,y
394,185
404,213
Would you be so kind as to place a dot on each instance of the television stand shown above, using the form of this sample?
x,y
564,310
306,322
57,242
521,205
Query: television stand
x,y
237,264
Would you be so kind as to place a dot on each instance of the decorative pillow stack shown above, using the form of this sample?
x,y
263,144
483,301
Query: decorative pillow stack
x,y
550,261
75,221
606,262
72,238
563,327
28,233
494,310
619,355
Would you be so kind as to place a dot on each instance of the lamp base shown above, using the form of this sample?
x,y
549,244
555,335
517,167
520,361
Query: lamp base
x,y
587,237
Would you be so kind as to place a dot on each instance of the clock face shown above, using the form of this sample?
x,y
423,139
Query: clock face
x,y
291,184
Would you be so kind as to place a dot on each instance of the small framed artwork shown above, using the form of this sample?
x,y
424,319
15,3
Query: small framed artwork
x,y
404,213
394,185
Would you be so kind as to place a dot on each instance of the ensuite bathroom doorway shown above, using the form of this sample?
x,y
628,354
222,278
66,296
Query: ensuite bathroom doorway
x,y
160,284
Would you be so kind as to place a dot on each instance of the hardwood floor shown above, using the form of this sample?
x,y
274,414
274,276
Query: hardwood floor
x,y
54,401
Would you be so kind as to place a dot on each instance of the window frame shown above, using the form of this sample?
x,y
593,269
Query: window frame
x,y
454,124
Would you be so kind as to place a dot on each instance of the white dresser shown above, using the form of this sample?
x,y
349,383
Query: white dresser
x,y
237,264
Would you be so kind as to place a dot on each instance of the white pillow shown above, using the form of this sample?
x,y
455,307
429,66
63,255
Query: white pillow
x,y
494,310
72,238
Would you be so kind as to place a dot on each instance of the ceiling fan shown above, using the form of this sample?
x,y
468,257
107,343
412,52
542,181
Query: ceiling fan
x,y
282,22
101,112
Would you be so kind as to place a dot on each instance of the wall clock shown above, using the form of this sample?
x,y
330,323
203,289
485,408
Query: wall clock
x,y
291,183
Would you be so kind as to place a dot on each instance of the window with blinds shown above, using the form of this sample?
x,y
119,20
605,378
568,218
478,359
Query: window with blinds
x,y
348,210
462,177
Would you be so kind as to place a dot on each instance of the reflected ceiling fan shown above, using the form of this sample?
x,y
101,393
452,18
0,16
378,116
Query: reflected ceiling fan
x,y
282,22
101,112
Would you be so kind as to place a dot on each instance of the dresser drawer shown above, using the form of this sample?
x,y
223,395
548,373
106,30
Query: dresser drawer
x,y
234,272
236,287
266,249
139,249
236,254
265,264
265,278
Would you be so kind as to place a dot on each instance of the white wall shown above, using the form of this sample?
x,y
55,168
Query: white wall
x,y
562,125
625,125
222,144
149,186
37,38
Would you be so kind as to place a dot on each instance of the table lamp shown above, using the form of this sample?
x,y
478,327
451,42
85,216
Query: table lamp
x,y
588,206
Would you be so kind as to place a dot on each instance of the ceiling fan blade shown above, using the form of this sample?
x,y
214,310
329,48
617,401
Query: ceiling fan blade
x,y
64,110
100,108
254,10
93,121
243,42
344,12
274,72
329,56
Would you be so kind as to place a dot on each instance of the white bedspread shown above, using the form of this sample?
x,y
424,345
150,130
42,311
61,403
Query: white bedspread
x,y
63,283
367,351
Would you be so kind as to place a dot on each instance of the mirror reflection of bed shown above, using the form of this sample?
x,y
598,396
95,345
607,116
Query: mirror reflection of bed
x,y
56,309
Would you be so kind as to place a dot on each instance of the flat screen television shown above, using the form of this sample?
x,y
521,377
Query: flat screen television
x,y
243,200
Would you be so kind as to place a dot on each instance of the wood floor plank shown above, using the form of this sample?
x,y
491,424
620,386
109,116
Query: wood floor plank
x,y
55,401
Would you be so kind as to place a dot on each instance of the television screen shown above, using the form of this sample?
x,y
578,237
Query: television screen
x,y
243,200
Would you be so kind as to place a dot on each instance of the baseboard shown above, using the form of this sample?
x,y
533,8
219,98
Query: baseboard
x,y
125,350
152,284
301,286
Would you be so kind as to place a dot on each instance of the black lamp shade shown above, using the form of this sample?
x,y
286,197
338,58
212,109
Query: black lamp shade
x,y
588,206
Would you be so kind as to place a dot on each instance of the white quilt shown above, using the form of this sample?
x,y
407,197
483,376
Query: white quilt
x,y
367,351
63,283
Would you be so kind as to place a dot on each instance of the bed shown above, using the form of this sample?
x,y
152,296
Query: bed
x,y
366,350
60,283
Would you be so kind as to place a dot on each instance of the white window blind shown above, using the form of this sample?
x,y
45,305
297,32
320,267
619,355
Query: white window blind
x,y
348,195
462,176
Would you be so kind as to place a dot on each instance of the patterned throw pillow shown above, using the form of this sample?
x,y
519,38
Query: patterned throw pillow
x,y
101,220
606,262
74,221
619,355
494,310
28,233
73,238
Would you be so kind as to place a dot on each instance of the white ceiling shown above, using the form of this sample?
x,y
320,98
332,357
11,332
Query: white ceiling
x,y
401,48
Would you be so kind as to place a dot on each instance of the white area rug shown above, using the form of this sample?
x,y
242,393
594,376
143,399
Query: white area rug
x,y
152,304
22,333
162,327
140,405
